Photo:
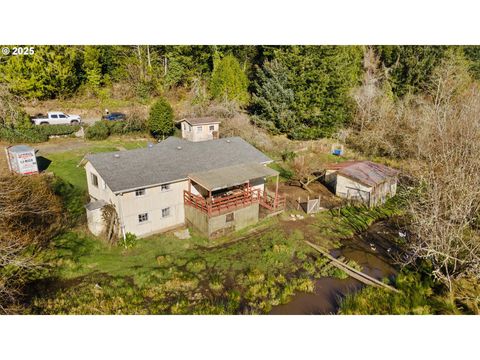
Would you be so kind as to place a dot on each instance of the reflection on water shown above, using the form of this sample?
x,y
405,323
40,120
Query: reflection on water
x,y
373,250
324,300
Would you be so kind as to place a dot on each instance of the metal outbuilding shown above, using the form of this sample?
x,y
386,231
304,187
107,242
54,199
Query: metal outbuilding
x,y
22,159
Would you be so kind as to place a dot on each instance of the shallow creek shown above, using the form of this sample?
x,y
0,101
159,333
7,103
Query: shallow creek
x,y
372,249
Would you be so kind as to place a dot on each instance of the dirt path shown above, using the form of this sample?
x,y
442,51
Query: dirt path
x,y
61,145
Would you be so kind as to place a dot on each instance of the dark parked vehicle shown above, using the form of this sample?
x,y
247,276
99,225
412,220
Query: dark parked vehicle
x,y
115,116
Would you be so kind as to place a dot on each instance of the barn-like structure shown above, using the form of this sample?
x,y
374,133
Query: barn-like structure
x,y
363,181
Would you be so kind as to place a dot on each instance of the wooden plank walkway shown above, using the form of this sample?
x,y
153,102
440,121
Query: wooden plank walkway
x,y
360,276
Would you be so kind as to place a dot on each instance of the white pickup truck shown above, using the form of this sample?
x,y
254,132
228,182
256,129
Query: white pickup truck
x,y
57,118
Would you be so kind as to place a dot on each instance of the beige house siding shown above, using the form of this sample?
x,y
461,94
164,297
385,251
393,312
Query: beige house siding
x,y
200,132
129,206
100,192
349,189
152,203
95,221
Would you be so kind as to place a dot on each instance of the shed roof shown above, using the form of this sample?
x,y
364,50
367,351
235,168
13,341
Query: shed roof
x,y
365,172
231,175
201,120
19,148
171,160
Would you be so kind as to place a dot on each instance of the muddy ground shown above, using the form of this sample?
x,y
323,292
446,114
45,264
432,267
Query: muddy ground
x,y
293,193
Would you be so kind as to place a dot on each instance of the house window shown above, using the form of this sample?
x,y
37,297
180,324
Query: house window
x,y
184,126
140,192
94,180
165,187
211,127
199,129
143,217
189,127
229,217
165,212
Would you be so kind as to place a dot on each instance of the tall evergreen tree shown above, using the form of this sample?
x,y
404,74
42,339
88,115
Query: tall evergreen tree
x,y
409,67
229,82
52,71
160,121
272,100
321,78
92,67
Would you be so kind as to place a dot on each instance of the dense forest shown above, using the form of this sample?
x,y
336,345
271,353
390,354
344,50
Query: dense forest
x,y
302,91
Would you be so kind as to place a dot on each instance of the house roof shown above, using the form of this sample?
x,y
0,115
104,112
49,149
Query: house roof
x,y
231,175
365,172
201,120
95,205
171,160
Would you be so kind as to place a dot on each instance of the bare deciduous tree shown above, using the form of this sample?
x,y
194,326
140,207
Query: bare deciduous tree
x,y
382,125
439,132
448,203
304,172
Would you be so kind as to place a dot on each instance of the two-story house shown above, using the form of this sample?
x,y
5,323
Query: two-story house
x,y
216,186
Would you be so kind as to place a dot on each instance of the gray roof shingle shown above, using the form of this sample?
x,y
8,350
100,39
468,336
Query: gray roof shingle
x,y
231,175
364,172
171,160
201,120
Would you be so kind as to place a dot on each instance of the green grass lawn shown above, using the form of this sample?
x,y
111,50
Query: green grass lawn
x,y
165,275
66,165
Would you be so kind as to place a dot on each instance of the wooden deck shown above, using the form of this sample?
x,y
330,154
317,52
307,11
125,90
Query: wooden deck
x,y
217,205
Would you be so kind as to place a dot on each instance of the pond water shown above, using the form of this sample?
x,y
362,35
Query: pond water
x,y
373,250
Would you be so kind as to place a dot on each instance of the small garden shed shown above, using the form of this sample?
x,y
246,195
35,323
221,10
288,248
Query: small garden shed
x,y
363,181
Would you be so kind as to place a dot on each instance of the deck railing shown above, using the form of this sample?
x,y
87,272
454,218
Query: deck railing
x,y
217,205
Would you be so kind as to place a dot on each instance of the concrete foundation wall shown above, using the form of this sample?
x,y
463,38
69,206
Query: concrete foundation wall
x,y
216,226
196,218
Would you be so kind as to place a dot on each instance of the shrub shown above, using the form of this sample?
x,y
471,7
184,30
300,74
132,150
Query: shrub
x,y
12,135
35,134
129,241
50,130
288,155
117,127
160,121
98,131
